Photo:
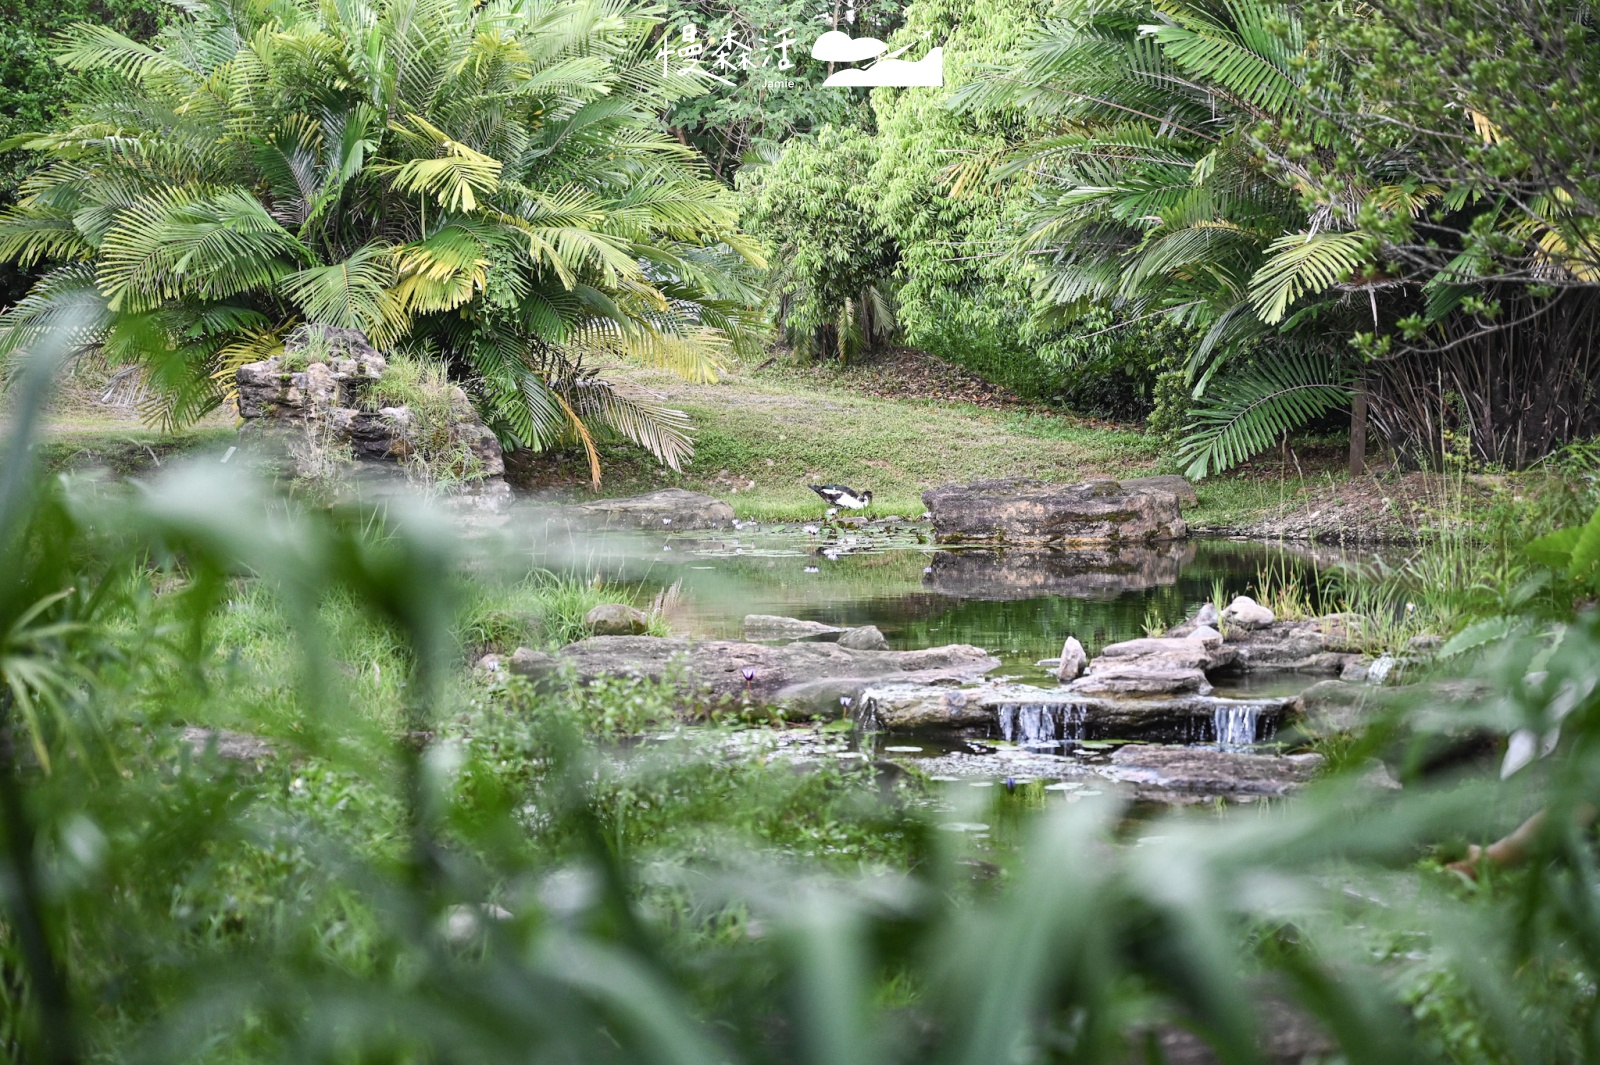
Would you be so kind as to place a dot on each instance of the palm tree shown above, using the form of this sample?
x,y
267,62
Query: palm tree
x,y
1156,194
484,183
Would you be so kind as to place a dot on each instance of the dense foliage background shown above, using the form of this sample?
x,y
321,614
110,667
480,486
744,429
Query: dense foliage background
x,y
33,88
1288,212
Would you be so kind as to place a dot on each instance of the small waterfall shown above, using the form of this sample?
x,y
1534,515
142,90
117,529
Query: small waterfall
x,y
1235,724
1041,724
1073,721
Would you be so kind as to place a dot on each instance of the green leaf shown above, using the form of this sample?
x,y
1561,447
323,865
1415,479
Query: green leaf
x,y
1554,550
1301,263
1586,550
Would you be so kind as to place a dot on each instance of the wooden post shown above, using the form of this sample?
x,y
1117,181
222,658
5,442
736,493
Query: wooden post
x,y
1358,431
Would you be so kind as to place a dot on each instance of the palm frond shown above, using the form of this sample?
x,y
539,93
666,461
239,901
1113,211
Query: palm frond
x,y
1249,411
1301,263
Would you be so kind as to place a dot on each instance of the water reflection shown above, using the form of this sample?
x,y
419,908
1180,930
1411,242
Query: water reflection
x,y
1020,604
1029,573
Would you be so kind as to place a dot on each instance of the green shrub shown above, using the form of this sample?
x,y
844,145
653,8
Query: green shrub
x,y
831,259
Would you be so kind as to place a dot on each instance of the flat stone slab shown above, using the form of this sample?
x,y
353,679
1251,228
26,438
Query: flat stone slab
x,y
670,509
765,627
1043,716
1031,572
714,669
1163,774
1038,512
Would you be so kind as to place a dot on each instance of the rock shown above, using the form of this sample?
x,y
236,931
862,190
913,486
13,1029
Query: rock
x,y
1424,645
1159,772
1109,677
1246,613
234,746
670,510
617,619
1073,661
1322,645
1154,666
531,664
842,696
1206,635
1028,511
1355,671
865,638
773,627
1170,483
908,706
1164,652
318,417
1080,573
1208,616
1379,776
1381,669
267,390
1333,706
714,669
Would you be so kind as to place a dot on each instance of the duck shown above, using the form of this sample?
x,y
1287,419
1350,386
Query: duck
x,y
838,495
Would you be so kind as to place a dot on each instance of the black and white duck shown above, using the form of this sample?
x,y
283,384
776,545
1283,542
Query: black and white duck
x,y
838,495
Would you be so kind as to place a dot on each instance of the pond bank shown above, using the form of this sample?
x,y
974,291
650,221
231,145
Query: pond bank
x,y
762,435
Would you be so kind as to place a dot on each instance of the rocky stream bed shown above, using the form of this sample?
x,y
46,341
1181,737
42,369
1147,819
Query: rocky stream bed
x,y
1211,708
874,659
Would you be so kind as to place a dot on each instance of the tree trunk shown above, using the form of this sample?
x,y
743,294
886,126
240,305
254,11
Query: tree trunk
x,y
1358,431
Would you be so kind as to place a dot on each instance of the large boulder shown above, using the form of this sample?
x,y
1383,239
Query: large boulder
x,y
1110,677
1246,613
1155,666
617,619
668,510
1006,573
1173,774
1192,652
864,638
1314,645
716,669
1038,512
1329,644
1333,706
322,368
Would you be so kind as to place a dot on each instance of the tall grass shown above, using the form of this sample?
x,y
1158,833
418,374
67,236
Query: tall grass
x,y
483,879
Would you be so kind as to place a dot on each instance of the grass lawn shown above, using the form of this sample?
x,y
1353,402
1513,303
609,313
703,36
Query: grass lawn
x,y
760,441
761,436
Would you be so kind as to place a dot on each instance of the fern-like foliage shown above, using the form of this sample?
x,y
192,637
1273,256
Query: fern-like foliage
x,y
1247,412
489,181
1153,198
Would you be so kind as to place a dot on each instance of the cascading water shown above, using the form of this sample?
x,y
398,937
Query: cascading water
x,y
1041,725
1235,724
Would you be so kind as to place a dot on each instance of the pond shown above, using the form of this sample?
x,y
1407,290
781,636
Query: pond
x,y
1018,603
